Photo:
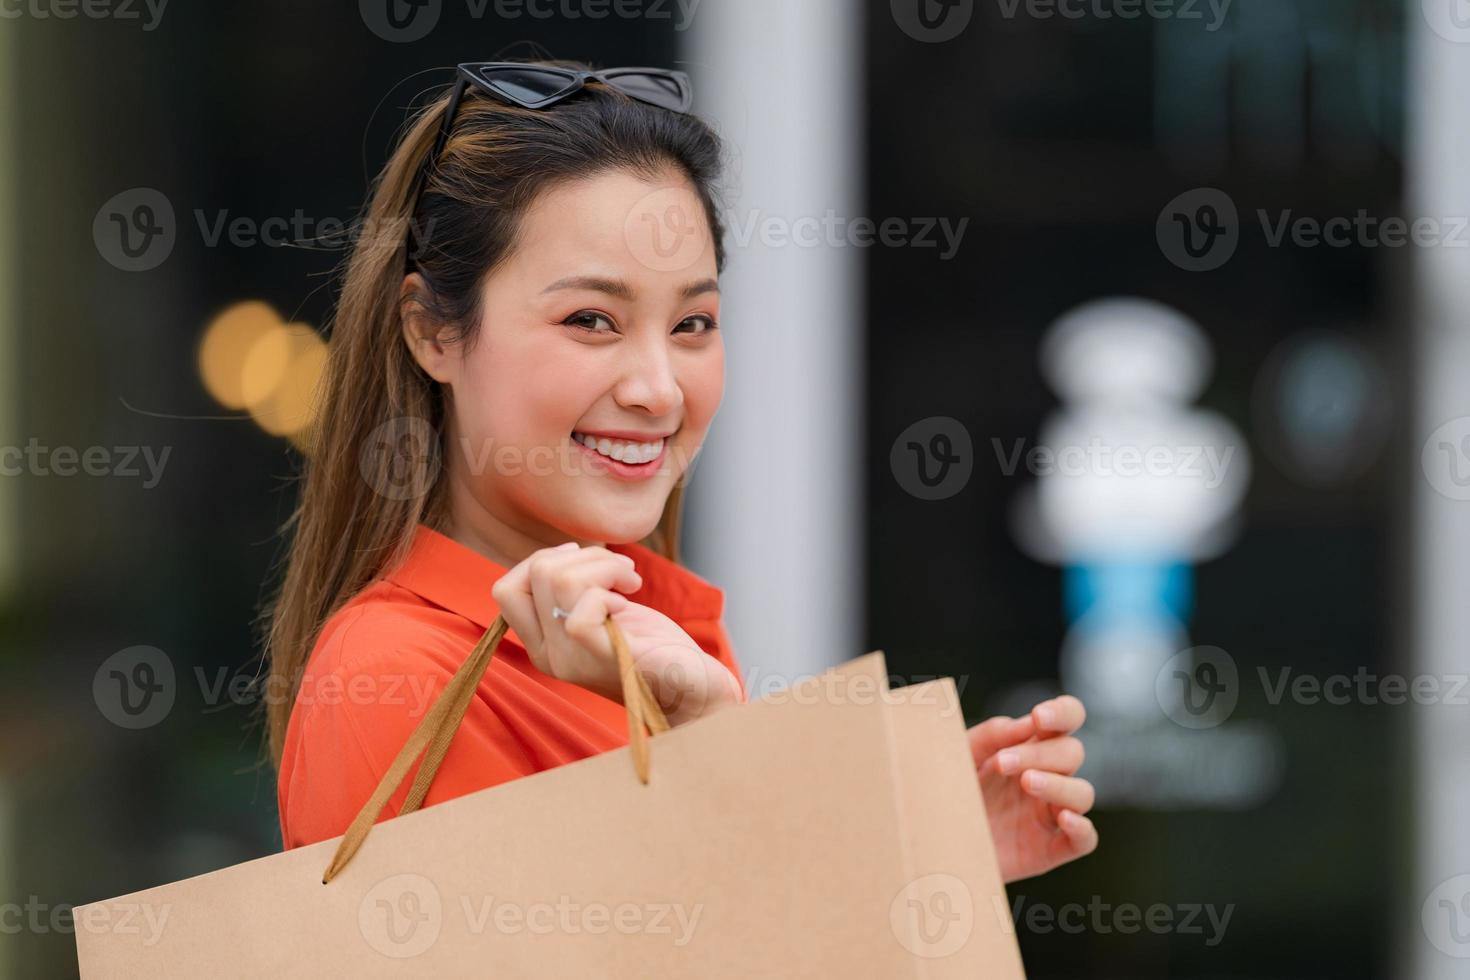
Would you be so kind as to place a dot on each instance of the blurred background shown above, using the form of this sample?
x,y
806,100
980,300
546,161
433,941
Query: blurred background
x,y
1109,346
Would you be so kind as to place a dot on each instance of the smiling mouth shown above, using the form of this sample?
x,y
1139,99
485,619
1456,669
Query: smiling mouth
x,y
624,451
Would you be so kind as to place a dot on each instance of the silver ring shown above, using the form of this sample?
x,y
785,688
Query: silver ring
x,y
557,612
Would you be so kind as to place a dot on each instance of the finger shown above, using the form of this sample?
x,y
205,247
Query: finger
x,y
585,625
1063,792
1063,754
1078,837
558,579
989,737
1064,715
512,592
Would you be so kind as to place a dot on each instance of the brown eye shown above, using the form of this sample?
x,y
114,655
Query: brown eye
x,y
588,321
702,325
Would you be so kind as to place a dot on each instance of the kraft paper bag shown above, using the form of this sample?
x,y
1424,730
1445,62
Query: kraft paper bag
x,y
832,829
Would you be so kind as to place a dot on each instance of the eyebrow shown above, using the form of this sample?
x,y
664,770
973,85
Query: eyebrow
x,y
620,289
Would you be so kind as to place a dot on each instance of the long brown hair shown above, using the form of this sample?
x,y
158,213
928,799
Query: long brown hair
x,y
373,472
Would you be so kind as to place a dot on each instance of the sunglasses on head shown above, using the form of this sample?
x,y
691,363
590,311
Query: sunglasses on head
x,y
538,86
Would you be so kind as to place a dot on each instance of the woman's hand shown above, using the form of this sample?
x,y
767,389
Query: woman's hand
x,y
1034,802
585,582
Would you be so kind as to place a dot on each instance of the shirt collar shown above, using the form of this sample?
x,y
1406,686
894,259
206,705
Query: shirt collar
x,y
457,578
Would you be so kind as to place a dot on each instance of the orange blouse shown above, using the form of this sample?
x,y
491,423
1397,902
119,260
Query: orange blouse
x,y
383,658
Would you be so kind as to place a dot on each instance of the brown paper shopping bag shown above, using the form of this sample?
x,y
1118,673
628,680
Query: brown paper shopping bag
x,y
833,829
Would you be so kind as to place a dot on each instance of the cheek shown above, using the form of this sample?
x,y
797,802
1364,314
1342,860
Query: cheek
x,y
703,381
527,396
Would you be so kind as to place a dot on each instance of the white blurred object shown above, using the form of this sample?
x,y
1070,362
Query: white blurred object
x,y
1135,472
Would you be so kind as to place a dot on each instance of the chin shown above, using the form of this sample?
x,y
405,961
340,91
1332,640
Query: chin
x,y
616,528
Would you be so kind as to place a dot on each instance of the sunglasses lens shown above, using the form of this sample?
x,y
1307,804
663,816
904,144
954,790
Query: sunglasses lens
x,y
526,85
668,91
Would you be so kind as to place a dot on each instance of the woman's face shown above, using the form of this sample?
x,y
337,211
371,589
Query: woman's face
x,y
600,327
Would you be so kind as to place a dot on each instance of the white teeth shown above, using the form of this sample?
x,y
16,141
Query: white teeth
x,y
621,450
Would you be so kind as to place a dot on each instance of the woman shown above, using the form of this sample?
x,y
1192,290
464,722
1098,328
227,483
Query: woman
x,y
524,362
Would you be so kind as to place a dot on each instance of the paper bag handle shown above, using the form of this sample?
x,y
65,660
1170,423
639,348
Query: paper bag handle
x,y
438,726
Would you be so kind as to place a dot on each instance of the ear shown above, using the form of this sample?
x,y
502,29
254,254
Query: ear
x,y
426,337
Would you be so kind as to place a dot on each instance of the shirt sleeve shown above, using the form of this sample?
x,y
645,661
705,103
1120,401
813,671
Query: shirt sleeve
x,y
356,711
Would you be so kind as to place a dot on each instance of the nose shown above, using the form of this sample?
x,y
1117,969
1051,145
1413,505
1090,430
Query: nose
x,y
648,379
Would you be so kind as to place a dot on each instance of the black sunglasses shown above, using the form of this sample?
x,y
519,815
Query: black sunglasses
x,y
537,86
